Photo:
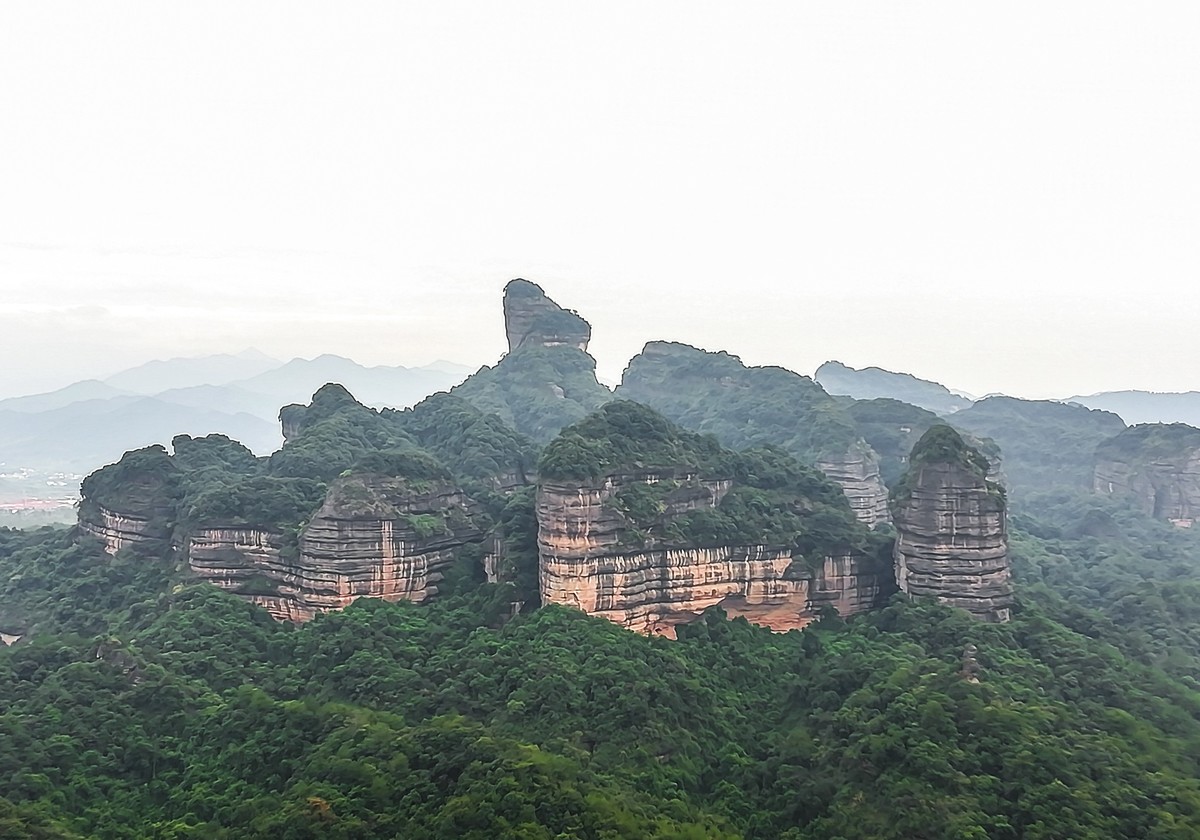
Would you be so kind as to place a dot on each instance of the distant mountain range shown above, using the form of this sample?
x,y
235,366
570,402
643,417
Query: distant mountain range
x,y
1133,407
873,383
1147,406
90,423
93,422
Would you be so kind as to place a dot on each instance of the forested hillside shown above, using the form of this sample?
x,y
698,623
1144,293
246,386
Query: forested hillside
x,y
139,700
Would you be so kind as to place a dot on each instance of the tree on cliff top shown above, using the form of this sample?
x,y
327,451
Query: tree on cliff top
x,y
1151,440
625,435
941,444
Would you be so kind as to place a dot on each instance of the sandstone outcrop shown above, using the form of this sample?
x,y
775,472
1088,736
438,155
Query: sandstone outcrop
x,y
374,537
594,558
857,473
951,528
1156,467
120,530
531,318
131,503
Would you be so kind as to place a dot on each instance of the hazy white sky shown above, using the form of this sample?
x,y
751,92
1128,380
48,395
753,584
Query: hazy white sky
x,y
997,196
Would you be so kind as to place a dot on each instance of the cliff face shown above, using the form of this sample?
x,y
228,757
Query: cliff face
x,y
857,473
591,558
1165,488
374,537
532,318
951,531
1157,468
120,530
131,503
247,562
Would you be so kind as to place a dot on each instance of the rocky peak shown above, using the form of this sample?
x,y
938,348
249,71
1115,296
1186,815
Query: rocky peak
x,y
951,528
857,472
531,318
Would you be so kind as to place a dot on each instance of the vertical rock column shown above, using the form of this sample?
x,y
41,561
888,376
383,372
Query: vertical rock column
x,y
857,473
951,528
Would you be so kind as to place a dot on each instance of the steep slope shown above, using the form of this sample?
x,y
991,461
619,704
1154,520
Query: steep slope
x,y
547,380
1155,468
874,383
648,525
387,536
952,528
749,406
531,318
132,503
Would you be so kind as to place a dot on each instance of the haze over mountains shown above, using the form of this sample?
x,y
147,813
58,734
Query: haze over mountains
x,y
874,383
84,425
49,440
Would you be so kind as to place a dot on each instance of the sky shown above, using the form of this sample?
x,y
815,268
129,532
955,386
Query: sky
x,y
1001,197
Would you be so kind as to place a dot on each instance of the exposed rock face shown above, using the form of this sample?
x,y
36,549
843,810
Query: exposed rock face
x,y
130,503
245,561
375,537
291,417
590,560
951,526
120,530
857,473
532,318
1157,468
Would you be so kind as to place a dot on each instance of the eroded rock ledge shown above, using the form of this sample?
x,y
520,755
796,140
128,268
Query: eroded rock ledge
x,y
594,559
374,537
857,473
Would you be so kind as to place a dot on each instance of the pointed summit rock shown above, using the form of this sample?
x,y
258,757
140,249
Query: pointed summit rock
x,y
951,528
532,318
547,380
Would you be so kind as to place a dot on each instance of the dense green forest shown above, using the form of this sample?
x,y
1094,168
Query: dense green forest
x,y
141,703
146,706
1046,445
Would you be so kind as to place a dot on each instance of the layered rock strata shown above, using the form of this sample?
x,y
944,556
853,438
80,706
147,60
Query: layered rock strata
x,y
131,504
120,530
857,473
375,537
532,318
951,535
593,559
1157,468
